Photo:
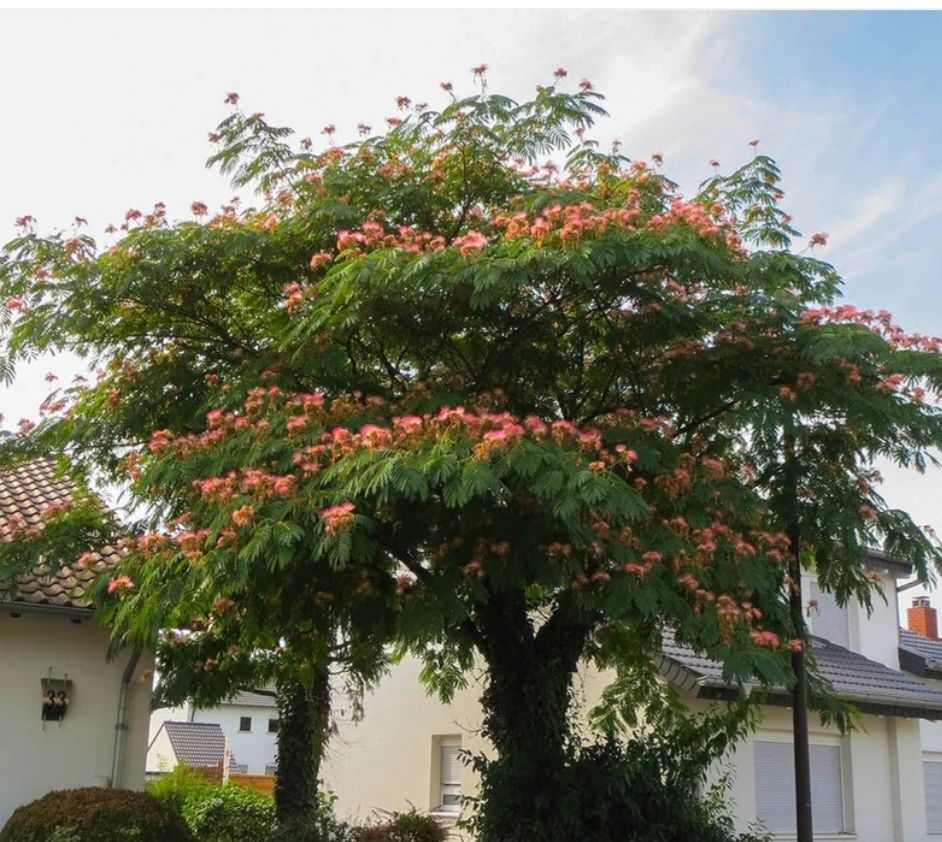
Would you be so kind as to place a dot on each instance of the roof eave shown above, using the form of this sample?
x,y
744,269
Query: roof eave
x,y
708,688
74,612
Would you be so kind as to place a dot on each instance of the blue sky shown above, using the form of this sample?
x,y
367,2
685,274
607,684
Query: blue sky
x,y
108,110
882,73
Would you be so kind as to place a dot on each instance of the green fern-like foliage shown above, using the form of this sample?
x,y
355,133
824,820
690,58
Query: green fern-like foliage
x,y
475,388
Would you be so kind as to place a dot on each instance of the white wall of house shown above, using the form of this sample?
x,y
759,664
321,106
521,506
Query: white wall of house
x,y
34,758
256,748
387,760
160,754
875,635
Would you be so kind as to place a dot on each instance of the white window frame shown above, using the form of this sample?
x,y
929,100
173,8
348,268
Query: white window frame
x,y
447,789
841,743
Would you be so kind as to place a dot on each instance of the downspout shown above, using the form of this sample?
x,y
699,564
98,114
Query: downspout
x,y
121,723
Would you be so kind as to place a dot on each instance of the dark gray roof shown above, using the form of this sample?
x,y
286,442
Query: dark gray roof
x,y
255,698
920,654
197,743
873,687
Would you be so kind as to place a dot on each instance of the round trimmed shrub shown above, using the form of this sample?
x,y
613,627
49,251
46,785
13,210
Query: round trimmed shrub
x,y
95,814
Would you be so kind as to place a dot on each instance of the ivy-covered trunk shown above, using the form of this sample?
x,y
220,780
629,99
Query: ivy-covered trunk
x,y
303,730
526,717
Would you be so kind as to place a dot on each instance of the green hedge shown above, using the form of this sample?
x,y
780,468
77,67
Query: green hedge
x,y
230,814
94,814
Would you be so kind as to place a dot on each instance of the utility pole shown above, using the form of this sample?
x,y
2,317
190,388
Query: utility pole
x,y
802,749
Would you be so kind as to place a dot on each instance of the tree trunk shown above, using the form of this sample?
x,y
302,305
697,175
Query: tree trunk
x,y
303,730
526,717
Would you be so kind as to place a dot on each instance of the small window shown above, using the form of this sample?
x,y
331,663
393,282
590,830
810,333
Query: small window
x,y
932,772
775,787
245,723
450,775
273,726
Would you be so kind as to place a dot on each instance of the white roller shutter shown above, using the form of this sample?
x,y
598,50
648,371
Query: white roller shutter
x,y
775,787
451,764
932,772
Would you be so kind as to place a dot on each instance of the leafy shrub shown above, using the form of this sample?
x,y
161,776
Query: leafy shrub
x,y
229,814
217,813
403,827
183,783
645,790
94,814
325,828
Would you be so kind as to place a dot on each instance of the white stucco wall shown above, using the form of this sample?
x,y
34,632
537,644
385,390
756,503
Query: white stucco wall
x,y
160,756
78,752
385,761
877,635
256,748
874,635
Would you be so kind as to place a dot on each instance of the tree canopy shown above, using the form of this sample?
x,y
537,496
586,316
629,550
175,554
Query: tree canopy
x,y
478,386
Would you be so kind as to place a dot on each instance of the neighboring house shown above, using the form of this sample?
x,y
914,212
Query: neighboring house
x,y
920,652
200,745
93,731
249,722
867,785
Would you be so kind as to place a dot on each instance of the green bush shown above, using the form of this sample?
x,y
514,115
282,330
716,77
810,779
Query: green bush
x,y
217,813
324,828
403,827
229,814
180,785
95,814
645,790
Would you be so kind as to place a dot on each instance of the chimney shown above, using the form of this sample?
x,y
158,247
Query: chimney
x,y
921,618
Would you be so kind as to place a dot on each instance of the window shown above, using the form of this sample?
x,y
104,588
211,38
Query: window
x,y
245,723
932,773
449,799
775,787
272,726
828,620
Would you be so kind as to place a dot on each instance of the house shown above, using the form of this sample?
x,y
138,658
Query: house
x,y
248,721
71,717
199,745
868,785
920,653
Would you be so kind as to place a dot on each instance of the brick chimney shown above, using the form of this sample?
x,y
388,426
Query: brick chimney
x,y
921,618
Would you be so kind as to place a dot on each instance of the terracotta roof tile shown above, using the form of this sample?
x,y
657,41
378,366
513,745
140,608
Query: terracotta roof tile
x,y
25,493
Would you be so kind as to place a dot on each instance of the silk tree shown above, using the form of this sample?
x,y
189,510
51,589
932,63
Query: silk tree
x,y
471,385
